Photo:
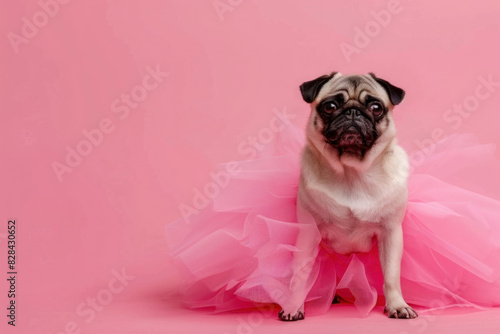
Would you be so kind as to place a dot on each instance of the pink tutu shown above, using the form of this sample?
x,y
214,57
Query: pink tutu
x,y
238,252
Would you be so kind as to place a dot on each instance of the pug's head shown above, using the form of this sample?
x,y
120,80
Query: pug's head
x,y
351,115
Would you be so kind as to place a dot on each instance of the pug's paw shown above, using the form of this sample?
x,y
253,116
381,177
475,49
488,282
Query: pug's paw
x,y
400,312
300,315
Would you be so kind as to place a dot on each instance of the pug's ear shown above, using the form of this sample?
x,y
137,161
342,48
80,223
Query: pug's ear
x,y
396,94
310,89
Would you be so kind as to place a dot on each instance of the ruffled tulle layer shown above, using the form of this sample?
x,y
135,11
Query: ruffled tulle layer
x,y
239,252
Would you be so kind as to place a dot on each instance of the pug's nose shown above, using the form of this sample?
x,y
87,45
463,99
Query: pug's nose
x,y
353,113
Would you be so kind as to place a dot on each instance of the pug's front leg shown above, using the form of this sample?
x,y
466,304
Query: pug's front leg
x,y
293,305
306,252
390,253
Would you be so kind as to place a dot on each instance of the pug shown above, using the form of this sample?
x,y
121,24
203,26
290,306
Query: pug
x,y
353,180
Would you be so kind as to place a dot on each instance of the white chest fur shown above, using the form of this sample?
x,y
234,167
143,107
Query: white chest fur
x,y
351,208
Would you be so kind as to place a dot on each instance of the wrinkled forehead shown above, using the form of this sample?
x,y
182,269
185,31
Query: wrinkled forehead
x,y
356,87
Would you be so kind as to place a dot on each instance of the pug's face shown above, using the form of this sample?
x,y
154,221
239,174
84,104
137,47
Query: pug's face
x,y
351,113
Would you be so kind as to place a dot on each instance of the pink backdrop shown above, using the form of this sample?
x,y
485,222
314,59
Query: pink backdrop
x,y
115,113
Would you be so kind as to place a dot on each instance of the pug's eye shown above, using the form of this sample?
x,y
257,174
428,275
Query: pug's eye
x,y
376,109
329,107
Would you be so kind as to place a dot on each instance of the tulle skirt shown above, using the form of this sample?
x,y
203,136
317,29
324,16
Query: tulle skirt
x,y
239,251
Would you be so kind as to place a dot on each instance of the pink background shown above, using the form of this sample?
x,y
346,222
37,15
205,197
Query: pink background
x,y
226,74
